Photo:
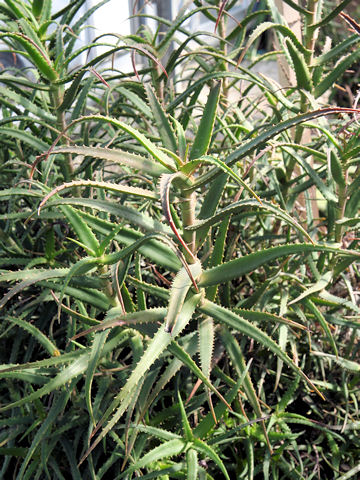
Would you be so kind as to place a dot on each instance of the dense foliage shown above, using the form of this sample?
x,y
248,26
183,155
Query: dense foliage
x,y
179,248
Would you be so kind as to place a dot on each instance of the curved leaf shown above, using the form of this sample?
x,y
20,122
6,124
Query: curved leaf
x,y
226,316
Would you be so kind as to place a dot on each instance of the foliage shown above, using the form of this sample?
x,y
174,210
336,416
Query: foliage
x,y
179,251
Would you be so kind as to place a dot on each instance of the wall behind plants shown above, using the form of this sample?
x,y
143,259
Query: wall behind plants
x,y
179,248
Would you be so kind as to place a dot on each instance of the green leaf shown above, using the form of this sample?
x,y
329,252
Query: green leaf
x,y
336,170
157,345
303,77
82,230
43,432
137,162
324,324
258,142
336,73
161,120
333,13
283,29
25,137
149,146
192,465
224,167
248,263
179,290
236,207
96,350
136,191
49,346
224,315
77,367
37,6
205,129
165,450
35,53
29,278
206,450
180,353
133,216
344,363
29,105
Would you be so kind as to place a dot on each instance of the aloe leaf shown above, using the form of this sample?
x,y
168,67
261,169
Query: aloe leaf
x,y
48,362
97,347
157,345
345,363
206,344
149,146
238,360
115,317
29,105
205,129
181,139
82,230
71,92
240,266
165,450
192,465
327,193
35,53
66,375
164,187
321,284
224,315
333,13
264,137
186,425
31,277
338,49
218,253
25,137
131,160
207,423
236,207
153,249
136,101
324,324
283,29
180,353
130,214
336,73
161,120
206,450
174,26
17,8
283,337
48,345
9,192
43,432
179,290
225,168
255,316
140,192
190,346
303,77
209,205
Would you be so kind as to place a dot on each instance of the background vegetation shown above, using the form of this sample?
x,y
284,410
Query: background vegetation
x,y
179,248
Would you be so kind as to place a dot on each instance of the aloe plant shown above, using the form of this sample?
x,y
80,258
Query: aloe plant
x,y
172,307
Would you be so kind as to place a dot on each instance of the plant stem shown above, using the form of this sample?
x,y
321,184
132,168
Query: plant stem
x,y
188,218
57,96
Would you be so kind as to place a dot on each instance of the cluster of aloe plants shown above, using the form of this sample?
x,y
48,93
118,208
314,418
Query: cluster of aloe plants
x,y
179,250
